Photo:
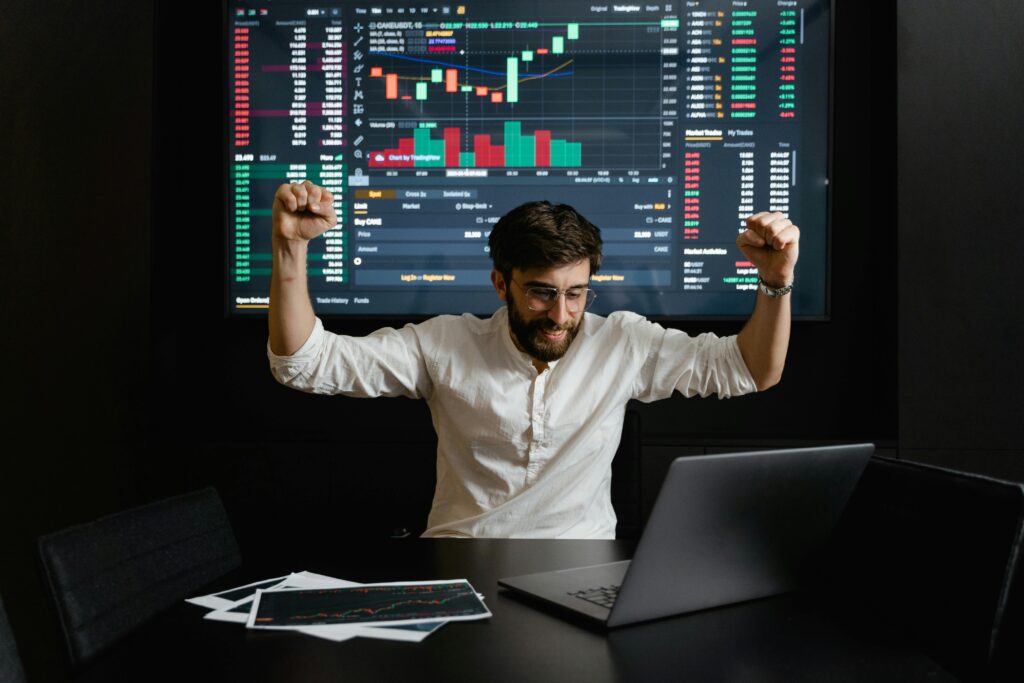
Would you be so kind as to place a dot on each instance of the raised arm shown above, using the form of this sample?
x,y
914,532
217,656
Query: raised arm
x,y
771,242
301,212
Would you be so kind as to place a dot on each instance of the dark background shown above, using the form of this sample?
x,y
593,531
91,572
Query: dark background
x,y
124,382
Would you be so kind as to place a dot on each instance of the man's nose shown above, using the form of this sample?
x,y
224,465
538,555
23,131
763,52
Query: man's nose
x,y
559,313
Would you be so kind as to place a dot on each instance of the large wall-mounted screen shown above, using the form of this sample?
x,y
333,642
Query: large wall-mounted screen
x,y
665,123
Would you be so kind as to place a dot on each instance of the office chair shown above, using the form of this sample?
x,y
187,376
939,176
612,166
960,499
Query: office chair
x,y
109,576
626,479
10,662
1007,654
932,557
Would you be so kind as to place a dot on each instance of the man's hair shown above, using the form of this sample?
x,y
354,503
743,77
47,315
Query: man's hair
x,y
543,235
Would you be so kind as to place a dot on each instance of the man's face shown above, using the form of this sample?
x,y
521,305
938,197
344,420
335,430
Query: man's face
x,y
544,335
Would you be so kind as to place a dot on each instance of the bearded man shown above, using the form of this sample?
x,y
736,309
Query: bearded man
x,y
528,404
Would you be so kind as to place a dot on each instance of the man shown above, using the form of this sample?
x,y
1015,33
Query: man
x,y
528,404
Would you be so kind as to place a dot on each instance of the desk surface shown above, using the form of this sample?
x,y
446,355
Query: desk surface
x,y
786,638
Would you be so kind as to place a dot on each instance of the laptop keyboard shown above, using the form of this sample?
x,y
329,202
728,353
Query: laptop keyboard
x,y
603,596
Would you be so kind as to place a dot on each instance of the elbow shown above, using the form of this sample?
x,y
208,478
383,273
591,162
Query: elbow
x,y
283,375
767,380
278,377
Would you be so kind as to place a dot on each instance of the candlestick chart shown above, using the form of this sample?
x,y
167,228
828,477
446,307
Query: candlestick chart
x,y
515,95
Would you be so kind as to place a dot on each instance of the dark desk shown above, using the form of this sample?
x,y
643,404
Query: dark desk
x,y
777,639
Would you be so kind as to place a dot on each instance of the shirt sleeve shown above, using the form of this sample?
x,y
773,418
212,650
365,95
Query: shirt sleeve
x,y
693,366
388,362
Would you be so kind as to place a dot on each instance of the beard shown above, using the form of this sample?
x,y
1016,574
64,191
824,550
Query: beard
x,y
530,338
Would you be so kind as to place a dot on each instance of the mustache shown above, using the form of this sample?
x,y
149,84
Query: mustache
x,y
548,325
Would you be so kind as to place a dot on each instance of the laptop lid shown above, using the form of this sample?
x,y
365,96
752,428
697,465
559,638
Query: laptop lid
x,y
724,529
733,527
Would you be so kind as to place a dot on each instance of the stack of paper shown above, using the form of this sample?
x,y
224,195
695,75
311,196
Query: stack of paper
x,y
337,610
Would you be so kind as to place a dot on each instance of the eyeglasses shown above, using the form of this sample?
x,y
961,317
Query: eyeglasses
x,y
544,298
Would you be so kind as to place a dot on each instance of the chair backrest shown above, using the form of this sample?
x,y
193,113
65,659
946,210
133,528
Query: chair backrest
x,y
109,576
626,479
10,662
931,555
1008,653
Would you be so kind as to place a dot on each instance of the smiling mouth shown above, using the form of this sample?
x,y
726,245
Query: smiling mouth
x,y
554,335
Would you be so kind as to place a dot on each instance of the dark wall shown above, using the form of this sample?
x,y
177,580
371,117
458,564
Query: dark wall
x,y
75,231
961,68
124,382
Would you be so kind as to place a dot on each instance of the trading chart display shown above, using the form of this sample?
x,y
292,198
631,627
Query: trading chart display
x,y
403,603
666,124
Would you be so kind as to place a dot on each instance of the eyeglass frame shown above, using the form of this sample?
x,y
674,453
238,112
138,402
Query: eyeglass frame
x,y
589,295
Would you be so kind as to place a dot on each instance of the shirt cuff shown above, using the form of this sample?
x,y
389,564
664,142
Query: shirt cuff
x,y
745,383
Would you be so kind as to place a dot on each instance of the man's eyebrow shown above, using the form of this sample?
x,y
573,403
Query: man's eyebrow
x,y
540,283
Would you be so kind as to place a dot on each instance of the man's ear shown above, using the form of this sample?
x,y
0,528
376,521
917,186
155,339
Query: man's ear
x,y
500,286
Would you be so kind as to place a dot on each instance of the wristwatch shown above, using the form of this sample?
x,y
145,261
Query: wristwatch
x,y
773,292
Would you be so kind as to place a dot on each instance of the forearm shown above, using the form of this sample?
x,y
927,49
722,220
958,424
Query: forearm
x,y
764,340
291,316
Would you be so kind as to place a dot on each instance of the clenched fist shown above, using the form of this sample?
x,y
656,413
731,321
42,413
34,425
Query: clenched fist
x,y
302,211
772,243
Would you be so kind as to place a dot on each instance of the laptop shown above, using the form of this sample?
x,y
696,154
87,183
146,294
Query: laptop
x,y
724,529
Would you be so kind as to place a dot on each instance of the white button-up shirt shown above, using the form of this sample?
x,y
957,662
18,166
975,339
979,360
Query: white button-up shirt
x,y
520,454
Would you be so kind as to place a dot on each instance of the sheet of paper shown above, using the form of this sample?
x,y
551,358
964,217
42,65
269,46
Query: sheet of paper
x,y
237,612
412,633
396,603
228,598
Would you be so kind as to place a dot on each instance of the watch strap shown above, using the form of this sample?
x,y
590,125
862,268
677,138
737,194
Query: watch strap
x,y
773,292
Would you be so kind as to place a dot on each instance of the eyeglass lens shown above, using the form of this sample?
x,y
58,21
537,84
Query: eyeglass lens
x,y
544,298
